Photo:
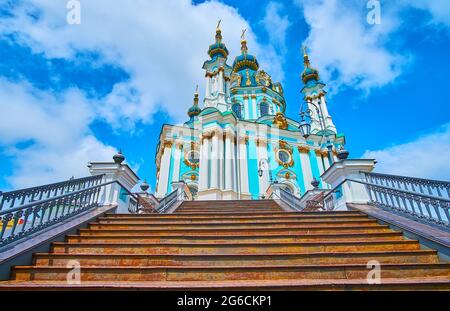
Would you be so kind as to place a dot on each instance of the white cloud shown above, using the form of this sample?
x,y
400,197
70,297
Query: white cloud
x,y
350,52
347,50
276,24
162,44
426,157
57,142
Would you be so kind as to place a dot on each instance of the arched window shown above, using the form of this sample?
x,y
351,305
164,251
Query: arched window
x,y
263,109
237,109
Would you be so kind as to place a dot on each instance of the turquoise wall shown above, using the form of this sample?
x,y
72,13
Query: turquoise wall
x,y
299,171
252,159
314,166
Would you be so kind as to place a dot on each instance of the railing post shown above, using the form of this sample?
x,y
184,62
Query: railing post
x,y
115,172
182,190
352,192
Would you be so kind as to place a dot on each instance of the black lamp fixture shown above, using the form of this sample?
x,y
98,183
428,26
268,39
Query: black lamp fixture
x,y
305,126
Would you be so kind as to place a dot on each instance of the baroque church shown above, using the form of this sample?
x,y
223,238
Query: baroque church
x,y
241,141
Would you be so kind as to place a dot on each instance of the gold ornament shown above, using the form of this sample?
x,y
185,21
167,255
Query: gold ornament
x,y
280,121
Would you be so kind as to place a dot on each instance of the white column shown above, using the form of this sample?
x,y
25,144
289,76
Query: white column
x,y
176,163
306,167
204,163
215,161
164,169
234,180
254,107
229,167
243,166
246,108
208,87
221,82
221,162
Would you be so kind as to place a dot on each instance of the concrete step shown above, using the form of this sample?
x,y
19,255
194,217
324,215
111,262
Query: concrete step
x,y
230,248
356,237
234,225
142,260
409,284
237,231
277,272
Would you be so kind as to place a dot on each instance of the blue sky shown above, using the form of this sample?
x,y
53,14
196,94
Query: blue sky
x,y
74,93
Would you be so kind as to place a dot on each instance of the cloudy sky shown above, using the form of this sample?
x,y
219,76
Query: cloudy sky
x,y
70,94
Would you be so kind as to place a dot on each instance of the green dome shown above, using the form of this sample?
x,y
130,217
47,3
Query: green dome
x,y
309,73
245,60
218,48
195,109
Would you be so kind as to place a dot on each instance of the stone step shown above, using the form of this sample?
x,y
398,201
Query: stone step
x,y
356,237
237,231
261,225
170,217
142,260
230,248
277,272
168,221
416,283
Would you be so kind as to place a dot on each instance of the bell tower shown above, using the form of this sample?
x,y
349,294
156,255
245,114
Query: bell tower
x,y
314,95
217,76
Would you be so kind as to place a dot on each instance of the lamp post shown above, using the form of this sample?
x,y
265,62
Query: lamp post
x,y
305,128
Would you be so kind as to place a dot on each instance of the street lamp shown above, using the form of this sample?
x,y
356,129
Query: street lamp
x,y
305,127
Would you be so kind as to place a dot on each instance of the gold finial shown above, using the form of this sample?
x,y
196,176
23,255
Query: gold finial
x,y
305,56
243,34
304,48
244,48
196,96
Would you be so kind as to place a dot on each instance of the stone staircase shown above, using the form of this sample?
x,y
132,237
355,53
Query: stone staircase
x,y
239,245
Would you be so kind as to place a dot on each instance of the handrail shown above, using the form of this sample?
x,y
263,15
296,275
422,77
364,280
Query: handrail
x,y
289,199
167,202
29,195
432,187
418,206
22,221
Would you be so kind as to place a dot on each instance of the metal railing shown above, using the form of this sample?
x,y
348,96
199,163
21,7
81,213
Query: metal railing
x,y
409,197
429,187
13,199
288,198
167,202
38,215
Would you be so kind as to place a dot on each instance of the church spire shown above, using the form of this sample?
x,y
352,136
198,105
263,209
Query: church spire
x,y
195,109
218,48
309,73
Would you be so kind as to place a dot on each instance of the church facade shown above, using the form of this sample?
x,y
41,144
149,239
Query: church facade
x,y
241,141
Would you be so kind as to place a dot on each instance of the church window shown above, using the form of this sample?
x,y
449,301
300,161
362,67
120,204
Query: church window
x,y
284,156
237,110
264,109
192,159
